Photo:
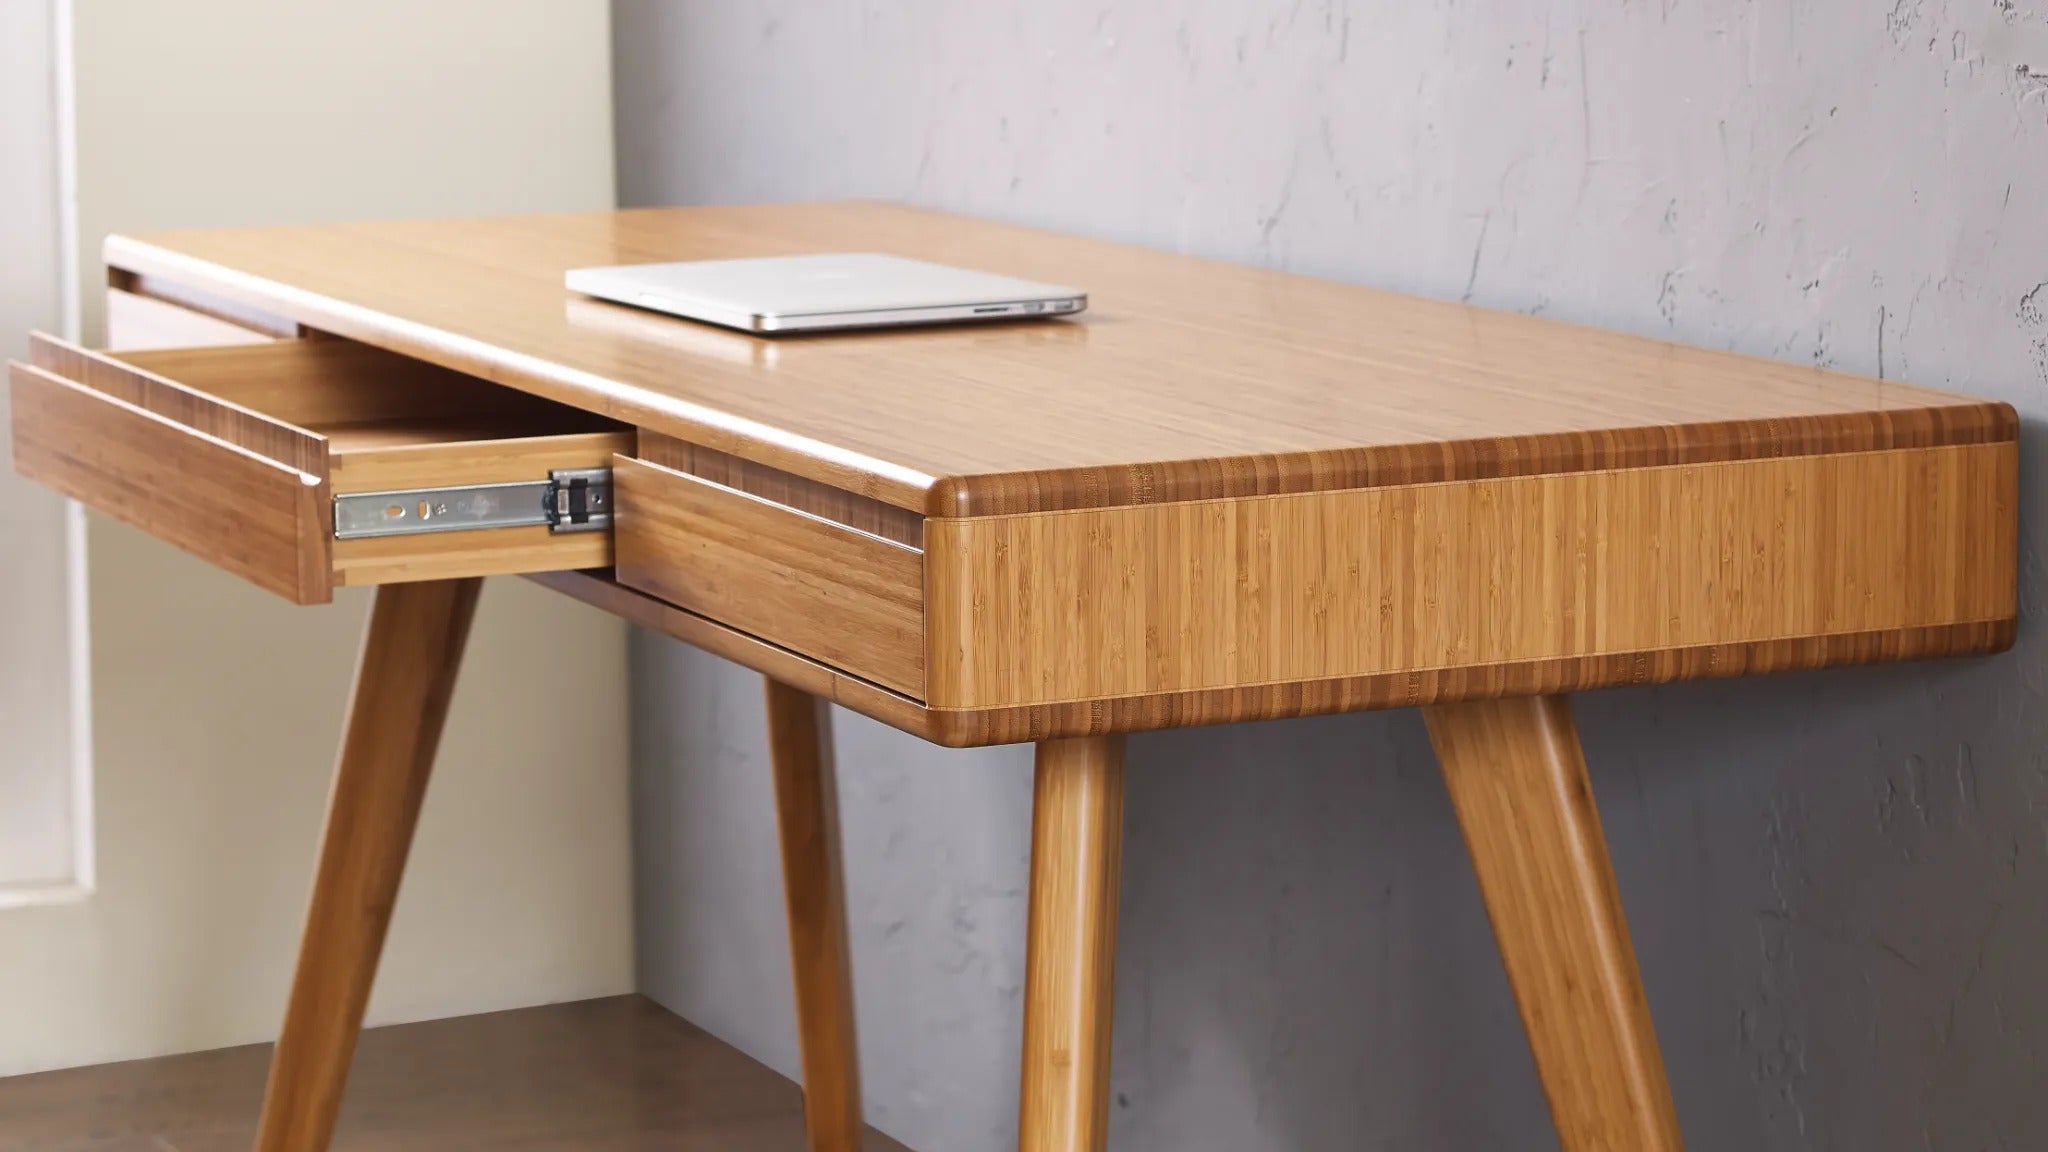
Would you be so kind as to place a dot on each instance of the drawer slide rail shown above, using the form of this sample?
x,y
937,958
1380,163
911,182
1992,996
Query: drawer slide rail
x,y
569,500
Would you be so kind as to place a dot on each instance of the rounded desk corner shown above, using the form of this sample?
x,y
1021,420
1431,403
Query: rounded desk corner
x,y
2005,419
2004,635
955,729
950,497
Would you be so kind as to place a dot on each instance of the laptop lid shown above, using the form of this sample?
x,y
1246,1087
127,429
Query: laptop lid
x,y
828,290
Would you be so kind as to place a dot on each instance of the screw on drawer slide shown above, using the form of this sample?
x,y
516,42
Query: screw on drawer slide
x,y
569,500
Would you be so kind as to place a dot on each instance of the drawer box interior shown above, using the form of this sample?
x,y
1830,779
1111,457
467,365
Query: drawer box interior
x,y
237,454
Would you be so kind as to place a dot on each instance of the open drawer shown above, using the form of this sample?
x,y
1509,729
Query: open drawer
x,y
303,464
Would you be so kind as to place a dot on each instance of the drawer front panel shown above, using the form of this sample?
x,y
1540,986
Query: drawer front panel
x,y
256,517
815,586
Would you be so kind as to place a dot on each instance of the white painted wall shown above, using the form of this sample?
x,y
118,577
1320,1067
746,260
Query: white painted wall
x,y
44,848
217,706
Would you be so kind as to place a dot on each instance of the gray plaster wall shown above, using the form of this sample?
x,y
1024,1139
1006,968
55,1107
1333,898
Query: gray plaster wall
x,y
1838,882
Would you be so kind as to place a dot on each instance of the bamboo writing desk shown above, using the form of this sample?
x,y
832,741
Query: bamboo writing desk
x,y
1220,494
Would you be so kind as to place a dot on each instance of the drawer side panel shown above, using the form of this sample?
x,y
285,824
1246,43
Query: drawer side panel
x,y
182,404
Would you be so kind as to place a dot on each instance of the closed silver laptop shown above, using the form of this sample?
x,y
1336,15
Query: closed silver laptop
x,y
830,290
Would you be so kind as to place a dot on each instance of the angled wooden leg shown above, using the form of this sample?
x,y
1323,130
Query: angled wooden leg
x,y
1070,944
1518,781
404,679
807,817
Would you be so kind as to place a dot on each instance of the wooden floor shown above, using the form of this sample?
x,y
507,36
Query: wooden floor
x,y
619,1073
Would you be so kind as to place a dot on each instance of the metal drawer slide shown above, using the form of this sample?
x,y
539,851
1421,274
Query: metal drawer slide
x,y
569,500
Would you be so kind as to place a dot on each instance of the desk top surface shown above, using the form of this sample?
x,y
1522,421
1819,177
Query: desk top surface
x,y
1187,378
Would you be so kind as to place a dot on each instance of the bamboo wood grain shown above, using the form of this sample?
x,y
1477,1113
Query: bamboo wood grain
x,y
794,668
437,462
256,517
482,552
1518,781
973,727
321,383
1186,379
442,462
437,454
845,597
814,893
485,552
138,384
176,442
808,496
281,398
977,727
405,678
1075,606
1222,493
972,420
1070,945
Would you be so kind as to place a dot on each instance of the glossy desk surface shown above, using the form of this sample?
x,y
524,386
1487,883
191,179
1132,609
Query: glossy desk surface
x,y
1186,378
1221,493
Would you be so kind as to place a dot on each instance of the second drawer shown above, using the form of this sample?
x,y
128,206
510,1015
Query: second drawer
x,y
810,583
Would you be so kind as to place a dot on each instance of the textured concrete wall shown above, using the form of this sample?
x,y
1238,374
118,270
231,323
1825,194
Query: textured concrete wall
x,y
1838,882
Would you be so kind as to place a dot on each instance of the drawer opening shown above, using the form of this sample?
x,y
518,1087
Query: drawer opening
x,y
242,454
366,403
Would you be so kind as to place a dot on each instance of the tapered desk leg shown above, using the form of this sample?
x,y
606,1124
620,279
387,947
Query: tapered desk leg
x,y
404,679
1070,947
1517,778
807,816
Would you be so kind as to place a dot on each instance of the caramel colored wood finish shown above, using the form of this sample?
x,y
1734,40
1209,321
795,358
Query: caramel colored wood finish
x,y
234,452
440,462
968,728
326,385
491,552
1222,493
1186,379
484,552
256,517
1070,944
1139,452
175,399
1518,781
778,487
845,597
404,680
1041,609
976,727
814,892
614,1075
793,668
